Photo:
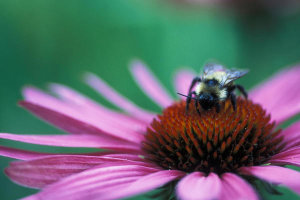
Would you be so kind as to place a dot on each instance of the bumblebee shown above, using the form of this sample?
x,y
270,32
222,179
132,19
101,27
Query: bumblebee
x,y
214,86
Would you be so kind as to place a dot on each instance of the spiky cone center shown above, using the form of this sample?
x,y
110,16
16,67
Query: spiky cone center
x,y
212,142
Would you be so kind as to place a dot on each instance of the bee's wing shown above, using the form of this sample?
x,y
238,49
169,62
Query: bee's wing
x,y
233,74
211,68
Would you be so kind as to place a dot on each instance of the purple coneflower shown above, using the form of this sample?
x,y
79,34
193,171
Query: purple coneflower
x,y
207,156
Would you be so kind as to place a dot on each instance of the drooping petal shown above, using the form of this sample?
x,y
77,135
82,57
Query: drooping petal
x,y
149,84
76,124
274,92
183,80
291,136
275,175
111,95
89,184
92,192
197,186
234,187
78,107
123,156
100,173
73,141
287,111
288,157
292,131
20,154
46,170
93,108
102,122
145,184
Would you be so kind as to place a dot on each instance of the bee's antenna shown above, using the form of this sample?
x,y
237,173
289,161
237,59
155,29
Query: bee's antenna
x,y
182,94
186,96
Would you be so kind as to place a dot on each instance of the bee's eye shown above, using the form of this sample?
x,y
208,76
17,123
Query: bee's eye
x,y
211,82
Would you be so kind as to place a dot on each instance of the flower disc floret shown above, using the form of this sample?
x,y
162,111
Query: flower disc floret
x,y
212,142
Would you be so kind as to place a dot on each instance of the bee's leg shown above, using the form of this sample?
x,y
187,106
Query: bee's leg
x,y
196,105
233,100
195,80
188,101
242,90
218,107
189,96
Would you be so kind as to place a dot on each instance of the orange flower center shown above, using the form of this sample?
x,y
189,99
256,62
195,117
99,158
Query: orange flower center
x,y
212,142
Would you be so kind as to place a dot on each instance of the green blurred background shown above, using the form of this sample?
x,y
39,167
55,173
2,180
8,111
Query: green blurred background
x,y
59,40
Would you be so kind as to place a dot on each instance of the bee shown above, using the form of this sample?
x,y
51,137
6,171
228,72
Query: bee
x,y
214,86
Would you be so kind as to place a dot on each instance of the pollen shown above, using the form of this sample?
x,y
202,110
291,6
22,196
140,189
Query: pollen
x,y
210,141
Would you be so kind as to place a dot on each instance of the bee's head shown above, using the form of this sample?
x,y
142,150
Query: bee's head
x,y
207,100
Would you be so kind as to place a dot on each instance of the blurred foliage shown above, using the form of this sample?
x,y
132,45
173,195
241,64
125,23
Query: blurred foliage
x,y
59,40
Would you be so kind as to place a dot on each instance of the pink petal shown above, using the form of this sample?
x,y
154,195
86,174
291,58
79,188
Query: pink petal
x,y
29,155
288,157
75,124
292,161
20,154
90,107
72,141
291,136
273,92
292,131
91,183
32,197
234,187
198,186
49,169
102,122
91,192
145,184
275,175
123,156
101,173
183,80
39,97
111,95
286,111
149,84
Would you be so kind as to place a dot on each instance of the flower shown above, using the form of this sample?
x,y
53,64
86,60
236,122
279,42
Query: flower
x,y
207,156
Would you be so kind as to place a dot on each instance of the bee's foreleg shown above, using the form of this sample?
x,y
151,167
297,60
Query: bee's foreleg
x,y
188,101
233,100
218,107
242,90
196,105
195,80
